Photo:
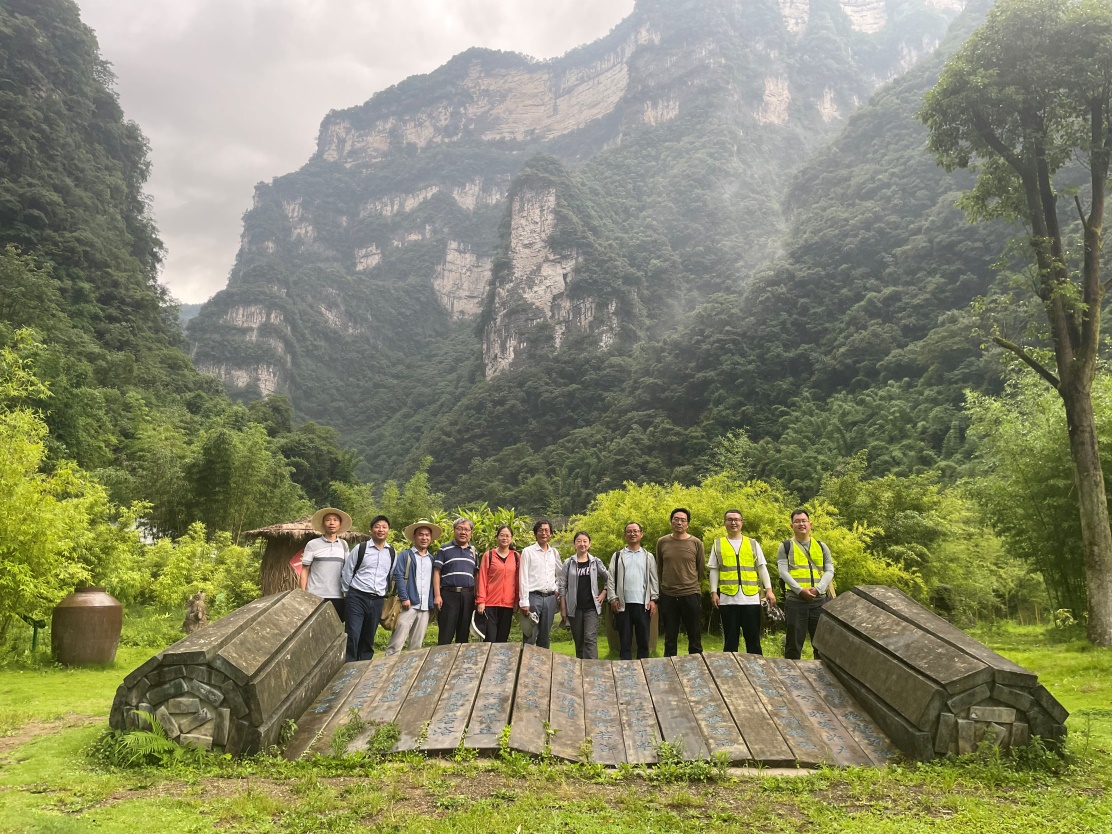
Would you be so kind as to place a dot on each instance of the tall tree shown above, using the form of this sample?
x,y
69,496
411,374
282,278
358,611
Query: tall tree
x,y
1030,91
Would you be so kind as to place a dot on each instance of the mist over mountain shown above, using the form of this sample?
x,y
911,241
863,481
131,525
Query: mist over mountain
x,y
555,276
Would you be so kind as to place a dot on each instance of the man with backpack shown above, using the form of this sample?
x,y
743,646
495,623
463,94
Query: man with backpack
x,y
365,581
413,579
807,569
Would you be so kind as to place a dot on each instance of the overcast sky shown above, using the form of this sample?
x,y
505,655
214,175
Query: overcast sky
x,y
230,92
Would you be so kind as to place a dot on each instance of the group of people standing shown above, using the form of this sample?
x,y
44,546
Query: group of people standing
x,y
482,593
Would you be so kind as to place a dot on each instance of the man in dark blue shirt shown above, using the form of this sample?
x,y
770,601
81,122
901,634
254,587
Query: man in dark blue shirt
x,y
453,585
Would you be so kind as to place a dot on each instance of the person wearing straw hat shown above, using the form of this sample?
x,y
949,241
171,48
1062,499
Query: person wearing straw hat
x,y
413,578
322,562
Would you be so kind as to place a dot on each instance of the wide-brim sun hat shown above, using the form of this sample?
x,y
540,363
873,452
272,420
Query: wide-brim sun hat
x,y
477,632
318,520
436,530
528,622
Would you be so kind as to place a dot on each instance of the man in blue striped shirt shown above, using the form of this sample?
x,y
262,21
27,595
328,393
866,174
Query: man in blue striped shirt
x,y
453,585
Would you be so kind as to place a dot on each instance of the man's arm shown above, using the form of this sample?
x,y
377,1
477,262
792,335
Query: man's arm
x,y
523,580
700,560
306,566
347,572
654,586
436,588
762,571
713,565
612,582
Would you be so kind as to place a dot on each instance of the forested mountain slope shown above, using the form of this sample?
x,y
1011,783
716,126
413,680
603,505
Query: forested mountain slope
x,y
471,258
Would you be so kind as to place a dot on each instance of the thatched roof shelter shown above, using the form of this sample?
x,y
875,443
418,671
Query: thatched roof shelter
x,y
282,542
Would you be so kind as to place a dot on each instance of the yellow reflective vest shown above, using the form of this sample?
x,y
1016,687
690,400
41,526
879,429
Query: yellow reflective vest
x,y
742,570
801,568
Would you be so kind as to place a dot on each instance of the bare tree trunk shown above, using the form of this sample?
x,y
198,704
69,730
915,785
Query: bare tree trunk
x,y
1096,534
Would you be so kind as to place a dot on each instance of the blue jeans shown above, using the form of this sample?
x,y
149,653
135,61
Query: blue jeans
x,y
545,606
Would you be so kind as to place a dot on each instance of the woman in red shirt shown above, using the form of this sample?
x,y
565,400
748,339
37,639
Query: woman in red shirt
x,y
496,595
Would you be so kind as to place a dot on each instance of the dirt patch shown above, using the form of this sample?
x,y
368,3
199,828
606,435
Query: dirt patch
x,y
36,727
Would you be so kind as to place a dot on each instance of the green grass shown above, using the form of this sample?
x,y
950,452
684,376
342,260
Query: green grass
x,y
47,784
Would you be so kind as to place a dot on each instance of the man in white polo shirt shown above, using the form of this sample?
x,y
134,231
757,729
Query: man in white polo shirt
x,y
322,561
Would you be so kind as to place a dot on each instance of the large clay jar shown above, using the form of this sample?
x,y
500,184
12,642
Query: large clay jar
x,y
86,627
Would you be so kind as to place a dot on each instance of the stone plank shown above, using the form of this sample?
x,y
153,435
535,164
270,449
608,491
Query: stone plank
x,y
392,686
531,701
967,736
786,712
184,704
1049,703
195,720
203,690
287,665
673,712
716,724
233,697
856,720
314,720
491,713
844,749
954,670
245,655
997,715
640,731
758,730
449,720
1013,697
202,645
900,604
961,703
140,671
602,721
161,694
947,733
424,695
910,740
915,697
566,708
1020,735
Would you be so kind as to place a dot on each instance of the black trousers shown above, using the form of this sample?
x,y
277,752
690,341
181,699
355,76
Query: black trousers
x,y
633,622
689,610
454,617
363,613
498,623
801,618
741,619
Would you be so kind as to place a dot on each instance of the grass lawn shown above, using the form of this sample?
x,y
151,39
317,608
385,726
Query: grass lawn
x,y
49,715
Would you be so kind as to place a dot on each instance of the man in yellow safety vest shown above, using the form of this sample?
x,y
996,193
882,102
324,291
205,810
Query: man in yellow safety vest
x,y
738,572
808,572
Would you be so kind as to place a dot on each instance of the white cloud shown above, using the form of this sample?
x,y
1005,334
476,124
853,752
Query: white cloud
x,y
231,92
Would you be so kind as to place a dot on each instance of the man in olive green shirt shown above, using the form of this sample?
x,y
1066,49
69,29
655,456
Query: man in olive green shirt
x,y
680,563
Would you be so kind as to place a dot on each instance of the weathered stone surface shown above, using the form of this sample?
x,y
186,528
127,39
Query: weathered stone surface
x,y
917,698
424,695
758,730
167,691
715,722
311,725
167,721
300,696
491,713
947,733
1013,697
897,602
967,736
164,674
234,699
640,731
601,717
961,703
677,721
786,713
449,719
856,720
997,715
188,705
201,646
997,734
136,694
909,739
1020,735
954,670
198,740
199,673
195,720
141,671
220,727
530,705
1050,704
566,708
203,690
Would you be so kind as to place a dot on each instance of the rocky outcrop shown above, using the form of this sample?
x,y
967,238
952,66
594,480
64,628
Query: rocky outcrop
x,y
461,281
868,16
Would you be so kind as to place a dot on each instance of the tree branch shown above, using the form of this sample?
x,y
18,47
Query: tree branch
x,y
1081,212
1029,360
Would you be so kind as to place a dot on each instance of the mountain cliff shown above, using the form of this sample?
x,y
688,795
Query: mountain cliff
x,y
500,211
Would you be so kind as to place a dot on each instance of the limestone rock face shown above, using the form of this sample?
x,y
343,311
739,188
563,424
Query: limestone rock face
x,y
461,281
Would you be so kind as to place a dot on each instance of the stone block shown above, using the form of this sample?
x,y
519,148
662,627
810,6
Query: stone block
x,y
1020,734
967,740
910,740
210,693
946,734
186,705
1050,704
302,695
1013,697
997,734
961,703
165,674
234,699
167,691
168,723
220,726
952,669
217,678
141,671
195,720
901,605
192,740
1040,723
201,646
142,711
997,715
914,696
272,632
199,673
137,693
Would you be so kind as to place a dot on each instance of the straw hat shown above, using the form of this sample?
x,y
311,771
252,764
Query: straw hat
x,y
318,520
437,532
528,622
477,632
